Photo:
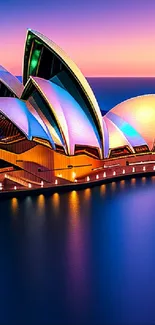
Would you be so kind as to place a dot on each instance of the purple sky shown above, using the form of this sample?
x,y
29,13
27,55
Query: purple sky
x,y
105,38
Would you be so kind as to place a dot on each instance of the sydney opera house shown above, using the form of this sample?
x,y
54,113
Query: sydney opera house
x,y
52,131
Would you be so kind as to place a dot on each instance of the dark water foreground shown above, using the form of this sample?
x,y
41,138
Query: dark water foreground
x,y
84,257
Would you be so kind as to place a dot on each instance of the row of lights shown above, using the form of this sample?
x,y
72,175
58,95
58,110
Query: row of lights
x,y
75,180
114,173
29,185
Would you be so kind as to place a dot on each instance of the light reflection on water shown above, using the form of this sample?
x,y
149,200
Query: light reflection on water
x,y
14,206
56,202
113,186
87,194
83,257
133,182
122,184
102,189
143,180
77,257
153,179
40,204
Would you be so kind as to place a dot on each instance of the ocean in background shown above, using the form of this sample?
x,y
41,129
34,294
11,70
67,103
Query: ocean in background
x,y
112,91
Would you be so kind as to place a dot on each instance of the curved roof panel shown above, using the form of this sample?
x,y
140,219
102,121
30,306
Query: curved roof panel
x,y
80,129
39,93
41,122
116,137
18,113
139,113
131,134
73,122
33,58
106,139
11,82
47,90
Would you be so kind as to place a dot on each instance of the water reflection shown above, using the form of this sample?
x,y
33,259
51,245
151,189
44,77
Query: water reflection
x,y
95,261
87,194
14,206
28,202
76,248
56,202
122,184
143,180
40,204
133,182
74,208
113,186
102,189
153,179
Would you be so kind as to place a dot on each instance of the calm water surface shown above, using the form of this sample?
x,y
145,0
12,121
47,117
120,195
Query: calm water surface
x,y
84,257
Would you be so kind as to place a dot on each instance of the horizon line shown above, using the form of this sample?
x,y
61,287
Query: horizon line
x,y
119,76
111,76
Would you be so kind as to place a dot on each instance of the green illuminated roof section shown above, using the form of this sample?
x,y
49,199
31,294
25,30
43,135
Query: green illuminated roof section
x,y
29,37
34,61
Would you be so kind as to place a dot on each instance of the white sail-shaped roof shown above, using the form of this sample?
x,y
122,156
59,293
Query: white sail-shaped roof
x,y
11,82
73,122
18,113
116,137
77,76
136,119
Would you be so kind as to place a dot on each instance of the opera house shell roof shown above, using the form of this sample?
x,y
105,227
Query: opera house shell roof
x,y
55,109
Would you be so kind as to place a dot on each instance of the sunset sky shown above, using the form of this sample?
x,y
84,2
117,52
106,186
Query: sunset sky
x,y
104,37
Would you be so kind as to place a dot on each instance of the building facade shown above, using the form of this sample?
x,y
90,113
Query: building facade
x,y
51,127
